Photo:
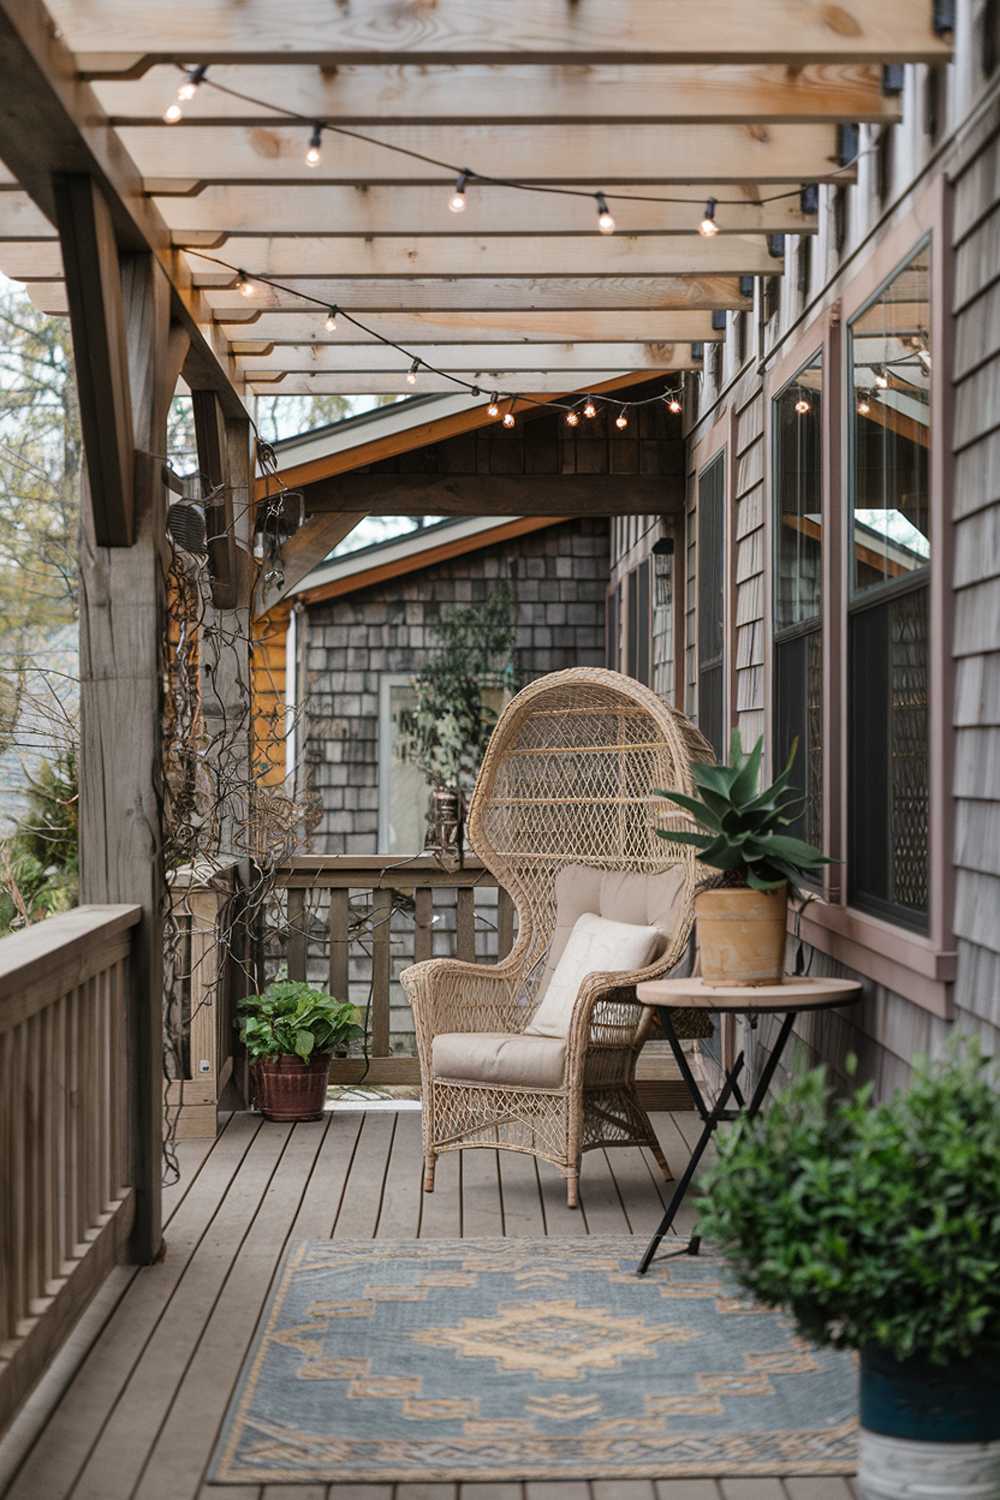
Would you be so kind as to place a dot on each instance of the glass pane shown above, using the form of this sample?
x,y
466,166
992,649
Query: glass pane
x,y
799,716
407,787
663,625
890,357
798,460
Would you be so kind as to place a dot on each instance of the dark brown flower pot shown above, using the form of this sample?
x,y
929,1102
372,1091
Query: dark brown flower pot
x,y
288,1089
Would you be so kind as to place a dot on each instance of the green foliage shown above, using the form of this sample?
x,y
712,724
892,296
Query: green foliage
x,y
743,825
871,1225
448,729
39,862
292,1017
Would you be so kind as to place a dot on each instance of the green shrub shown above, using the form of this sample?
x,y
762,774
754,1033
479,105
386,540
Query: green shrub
x,y
873,1225
291,1017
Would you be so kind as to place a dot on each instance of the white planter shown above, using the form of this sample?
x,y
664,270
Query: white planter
x,y
892,1468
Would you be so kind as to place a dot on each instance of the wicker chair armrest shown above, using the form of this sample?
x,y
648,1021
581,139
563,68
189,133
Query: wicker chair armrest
x,y
447,994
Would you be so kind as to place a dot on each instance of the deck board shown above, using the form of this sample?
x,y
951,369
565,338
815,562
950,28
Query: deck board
x,y
139,1416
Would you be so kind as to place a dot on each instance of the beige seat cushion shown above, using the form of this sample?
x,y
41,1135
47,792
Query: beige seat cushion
x,y
497,1057
623,895
596,945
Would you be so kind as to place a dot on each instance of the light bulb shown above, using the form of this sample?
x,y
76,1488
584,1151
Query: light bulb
x,y
589,409
621,421
881,379
605,219
187,89
802,406
493,410
411,374
331,321
314,149
172,114
708,226
924,356
673,405
572,419
243,285
457,200
864,405
508,419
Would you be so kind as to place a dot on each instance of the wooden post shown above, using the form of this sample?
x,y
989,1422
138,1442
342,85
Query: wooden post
x,y
122,629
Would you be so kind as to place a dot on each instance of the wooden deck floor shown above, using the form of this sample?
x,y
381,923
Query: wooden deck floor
x,y
130,1410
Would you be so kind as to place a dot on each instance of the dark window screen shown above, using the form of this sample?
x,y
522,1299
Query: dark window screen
x,y
711,602
612,626
799,716
888,761
639,623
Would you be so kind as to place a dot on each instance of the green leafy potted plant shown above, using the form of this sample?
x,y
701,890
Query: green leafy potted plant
x,y
878,1229
290,1033
741,924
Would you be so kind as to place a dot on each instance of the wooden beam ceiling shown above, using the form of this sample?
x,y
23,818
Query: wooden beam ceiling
x,y
262,330
210,215
115,37
760,94
192,153
364,383
469,358
495,495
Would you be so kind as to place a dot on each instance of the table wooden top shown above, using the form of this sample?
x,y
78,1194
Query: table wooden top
x,y
794,992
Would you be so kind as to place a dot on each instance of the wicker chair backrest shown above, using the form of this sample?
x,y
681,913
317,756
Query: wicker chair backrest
x,y
569,778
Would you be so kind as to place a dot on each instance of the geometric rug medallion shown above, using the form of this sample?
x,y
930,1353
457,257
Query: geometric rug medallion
x,y
526,1359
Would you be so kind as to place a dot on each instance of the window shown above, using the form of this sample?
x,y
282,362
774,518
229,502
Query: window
x,y
639,622
711,603
612,626
798,638
890,549
403,789
663,619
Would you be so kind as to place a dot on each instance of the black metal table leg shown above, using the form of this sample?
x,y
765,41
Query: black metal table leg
x,y
711,1119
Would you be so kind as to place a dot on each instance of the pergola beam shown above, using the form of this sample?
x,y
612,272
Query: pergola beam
x,y
333,358
221,211
261,330
495,293
383,494
364,383
761,93
112,36
52,124
582,255
588,154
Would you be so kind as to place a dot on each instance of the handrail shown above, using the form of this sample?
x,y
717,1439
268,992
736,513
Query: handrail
x,y
56,954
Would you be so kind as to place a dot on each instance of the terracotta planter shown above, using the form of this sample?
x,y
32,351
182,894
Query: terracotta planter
x,y
741,935
286,1088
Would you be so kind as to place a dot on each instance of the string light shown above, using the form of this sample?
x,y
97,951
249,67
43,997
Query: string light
x,y
673,404
315,148
605,219
185,91
589,409
621,421
864,403
802,406
708,226
411,374
457,200
573,418
881,378
243,284
493,410
508,416
331,321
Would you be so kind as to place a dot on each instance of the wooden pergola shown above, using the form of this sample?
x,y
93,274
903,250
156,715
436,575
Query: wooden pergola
x,y
137,229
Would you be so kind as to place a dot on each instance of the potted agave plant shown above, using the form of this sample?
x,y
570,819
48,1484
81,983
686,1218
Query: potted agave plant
x,y
741,923
291,1032
876,1228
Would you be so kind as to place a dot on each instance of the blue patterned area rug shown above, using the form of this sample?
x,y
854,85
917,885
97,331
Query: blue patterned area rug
x,y
525,1359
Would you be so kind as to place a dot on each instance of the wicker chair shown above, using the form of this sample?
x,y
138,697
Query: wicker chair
x,y
566,785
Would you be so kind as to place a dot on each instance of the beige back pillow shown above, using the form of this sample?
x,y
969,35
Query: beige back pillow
x,y
596,945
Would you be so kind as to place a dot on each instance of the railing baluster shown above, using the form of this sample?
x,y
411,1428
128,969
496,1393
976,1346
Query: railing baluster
x,y
8,1196
120,1174
297,953
73,1122
466,929
103,1111
423,931
340,945
381,971
35,1160
17,1084
56,1052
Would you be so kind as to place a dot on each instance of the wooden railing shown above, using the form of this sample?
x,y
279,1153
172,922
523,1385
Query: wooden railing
x,y
316,935
66,1206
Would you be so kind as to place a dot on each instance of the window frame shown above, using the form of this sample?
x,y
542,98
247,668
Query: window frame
x,y
918,964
